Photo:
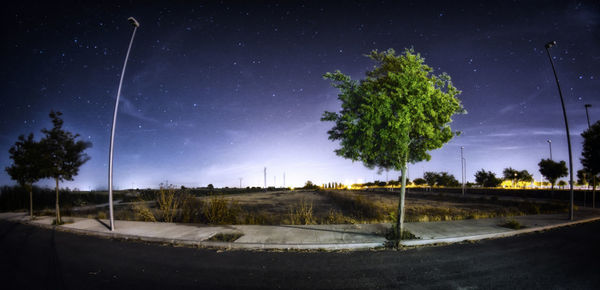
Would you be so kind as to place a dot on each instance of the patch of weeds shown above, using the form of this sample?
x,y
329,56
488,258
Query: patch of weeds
x,y
219,210
357,206
512,224
225,237
302,214
101,215
393,241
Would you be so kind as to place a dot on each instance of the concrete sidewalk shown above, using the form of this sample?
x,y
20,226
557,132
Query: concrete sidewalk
x,y
359,236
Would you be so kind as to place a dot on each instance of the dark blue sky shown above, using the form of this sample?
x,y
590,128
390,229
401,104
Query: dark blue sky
x,y
215,91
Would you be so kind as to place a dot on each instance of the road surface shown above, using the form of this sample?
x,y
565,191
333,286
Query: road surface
x,y
36,258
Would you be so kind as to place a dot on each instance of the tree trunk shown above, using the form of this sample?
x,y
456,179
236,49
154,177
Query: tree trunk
x,y
57,208
400,219
31,201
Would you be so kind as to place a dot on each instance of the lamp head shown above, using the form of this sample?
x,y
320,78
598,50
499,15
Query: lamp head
x,y
550,44
133,22
588,105
549,141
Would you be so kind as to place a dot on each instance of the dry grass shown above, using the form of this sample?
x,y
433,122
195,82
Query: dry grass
x,y
302,214
219,210
316,207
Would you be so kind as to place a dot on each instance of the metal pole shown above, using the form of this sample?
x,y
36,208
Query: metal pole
x,y
462,169
265,179
550,144
586,113
135,24
562,102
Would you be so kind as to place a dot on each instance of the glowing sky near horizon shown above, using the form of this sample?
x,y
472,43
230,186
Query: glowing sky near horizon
x,y
217,91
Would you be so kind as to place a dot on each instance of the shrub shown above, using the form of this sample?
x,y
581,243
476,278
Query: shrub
x,y
302,214
512,224
219,210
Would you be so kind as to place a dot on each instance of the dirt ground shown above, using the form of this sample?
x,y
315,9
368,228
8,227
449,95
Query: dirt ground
x,y
277,205
348,206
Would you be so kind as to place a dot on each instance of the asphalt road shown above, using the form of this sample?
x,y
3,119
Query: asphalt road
x,y
35,258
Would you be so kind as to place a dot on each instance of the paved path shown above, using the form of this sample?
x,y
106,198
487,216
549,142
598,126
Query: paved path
x,y
309,236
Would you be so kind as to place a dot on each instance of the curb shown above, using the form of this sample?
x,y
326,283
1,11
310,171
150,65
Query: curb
x,y
213,244
305,246
412,243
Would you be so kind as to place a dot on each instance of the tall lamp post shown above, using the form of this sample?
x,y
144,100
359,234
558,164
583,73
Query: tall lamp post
x,y
550,145
462,167
587,114
562,102
135,25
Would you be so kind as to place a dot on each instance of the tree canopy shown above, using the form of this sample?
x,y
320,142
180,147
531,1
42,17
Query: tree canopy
x,y
440,179
27,158
65,153
552,170
487,178
590,155
516,175
398,113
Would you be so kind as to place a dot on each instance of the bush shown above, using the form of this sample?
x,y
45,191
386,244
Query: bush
x,y
302,214
219,210
512,224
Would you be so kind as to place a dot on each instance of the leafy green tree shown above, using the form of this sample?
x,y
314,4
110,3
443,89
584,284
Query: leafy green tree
x,y
487,179
310,185
445,179
552,170
590,155
562,184
27,165
394,116
583,178
516,176
64,154
524,176
431,178
419,181
510,174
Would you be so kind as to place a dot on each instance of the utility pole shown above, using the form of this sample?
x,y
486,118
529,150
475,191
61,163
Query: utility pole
x,y
550,144
284,179
240,182
265,179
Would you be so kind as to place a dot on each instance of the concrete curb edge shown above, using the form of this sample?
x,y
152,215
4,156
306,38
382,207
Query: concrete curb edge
x,y
410,243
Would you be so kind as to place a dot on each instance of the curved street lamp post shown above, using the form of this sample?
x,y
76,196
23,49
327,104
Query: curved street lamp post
x,y
562,102
135,25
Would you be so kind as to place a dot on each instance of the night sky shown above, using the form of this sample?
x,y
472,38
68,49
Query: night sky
x,y
216,91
